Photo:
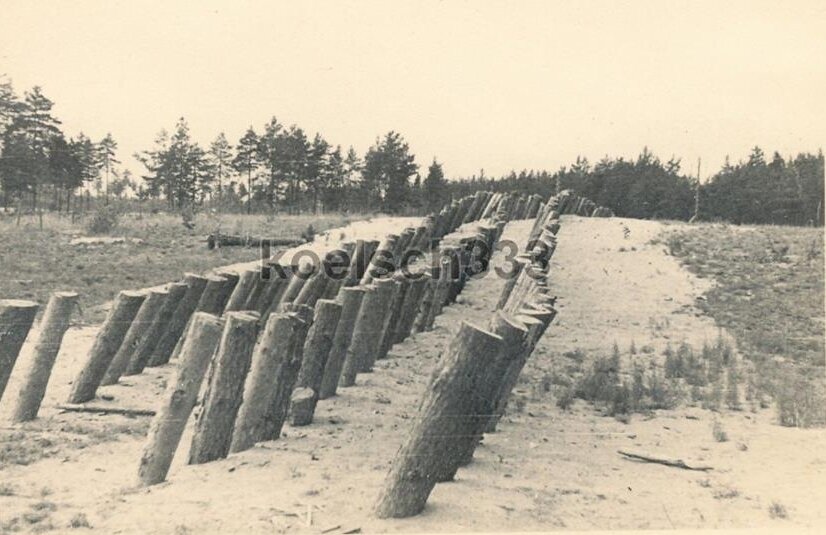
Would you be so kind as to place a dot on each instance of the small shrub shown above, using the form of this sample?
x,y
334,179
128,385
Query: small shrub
x,y
718,432
7,489
801,400
565,398
633,349
104,220
777,510
79,521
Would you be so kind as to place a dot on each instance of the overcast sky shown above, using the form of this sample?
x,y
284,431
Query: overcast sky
x,y
477,84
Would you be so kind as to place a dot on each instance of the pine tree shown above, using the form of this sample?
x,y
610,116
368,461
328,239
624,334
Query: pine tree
x,y
106,158
220,153
435,187
246,161
388,167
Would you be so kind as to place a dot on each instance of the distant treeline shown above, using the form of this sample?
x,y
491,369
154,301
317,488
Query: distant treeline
x,y
281,168
784,191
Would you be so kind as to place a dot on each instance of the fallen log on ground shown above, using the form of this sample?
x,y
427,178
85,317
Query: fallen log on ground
x,y
234,240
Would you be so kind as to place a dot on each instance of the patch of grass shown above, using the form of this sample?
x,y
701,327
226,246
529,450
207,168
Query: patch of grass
x,y
7,489
770,296
39,262
49,437
718,432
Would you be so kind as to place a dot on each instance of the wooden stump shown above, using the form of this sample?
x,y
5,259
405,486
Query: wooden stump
x,y
430,449
351,299
178,322
246,283
179,399
316,351
213,430
142,356
410,307
141,326
16,318
302,406
261,282
510,284
52,328
313,289
216,294
272,356
107,343
273,293
301,275
388,333
368,329
426,303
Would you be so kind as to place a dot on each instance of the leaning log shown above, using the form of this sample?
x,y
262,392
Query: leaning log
x,y
274,351
430,448
52,328
350,299
213,430
178,322
16,318
179,399
107,343
141,326
145,350
316,352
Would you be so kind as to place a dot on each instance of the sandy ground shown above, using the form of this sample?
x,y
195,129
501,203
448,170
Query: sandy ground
x,y
543,470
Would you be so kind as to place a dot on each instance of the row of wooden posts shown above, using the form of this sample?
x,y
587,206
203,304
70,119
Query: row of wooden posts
x,y
262,350
474,378
145,327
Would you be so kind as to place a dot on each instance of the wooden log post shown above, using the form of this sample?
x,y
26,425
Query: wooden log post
x,y
510,283
53,326
273,356
314,289
514,334
213,430
301,276
350,299
537,322
388,335
246,283
410,307
141,326
366,320
266,274
107,343
426,303
316,353
179,320
274,291
372,329
179,399
383,260
337,263
430,449
143,354
439,292
219,300
16,319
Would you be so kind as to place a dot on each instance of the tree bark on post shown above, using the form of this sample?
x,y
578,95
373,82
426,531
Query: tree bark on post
x,y
52,328
514,334
388,334
350,299
273,292
179,399
177,324
141,326
16,319
410,307
213,430
316,352
107,343
143,354
430,448
276,346
246,283
426,304
537,322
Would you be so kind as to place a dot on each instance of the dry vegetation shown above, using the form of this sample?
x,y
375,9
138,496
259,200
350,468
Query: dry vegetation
x,y
769,295
36,261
